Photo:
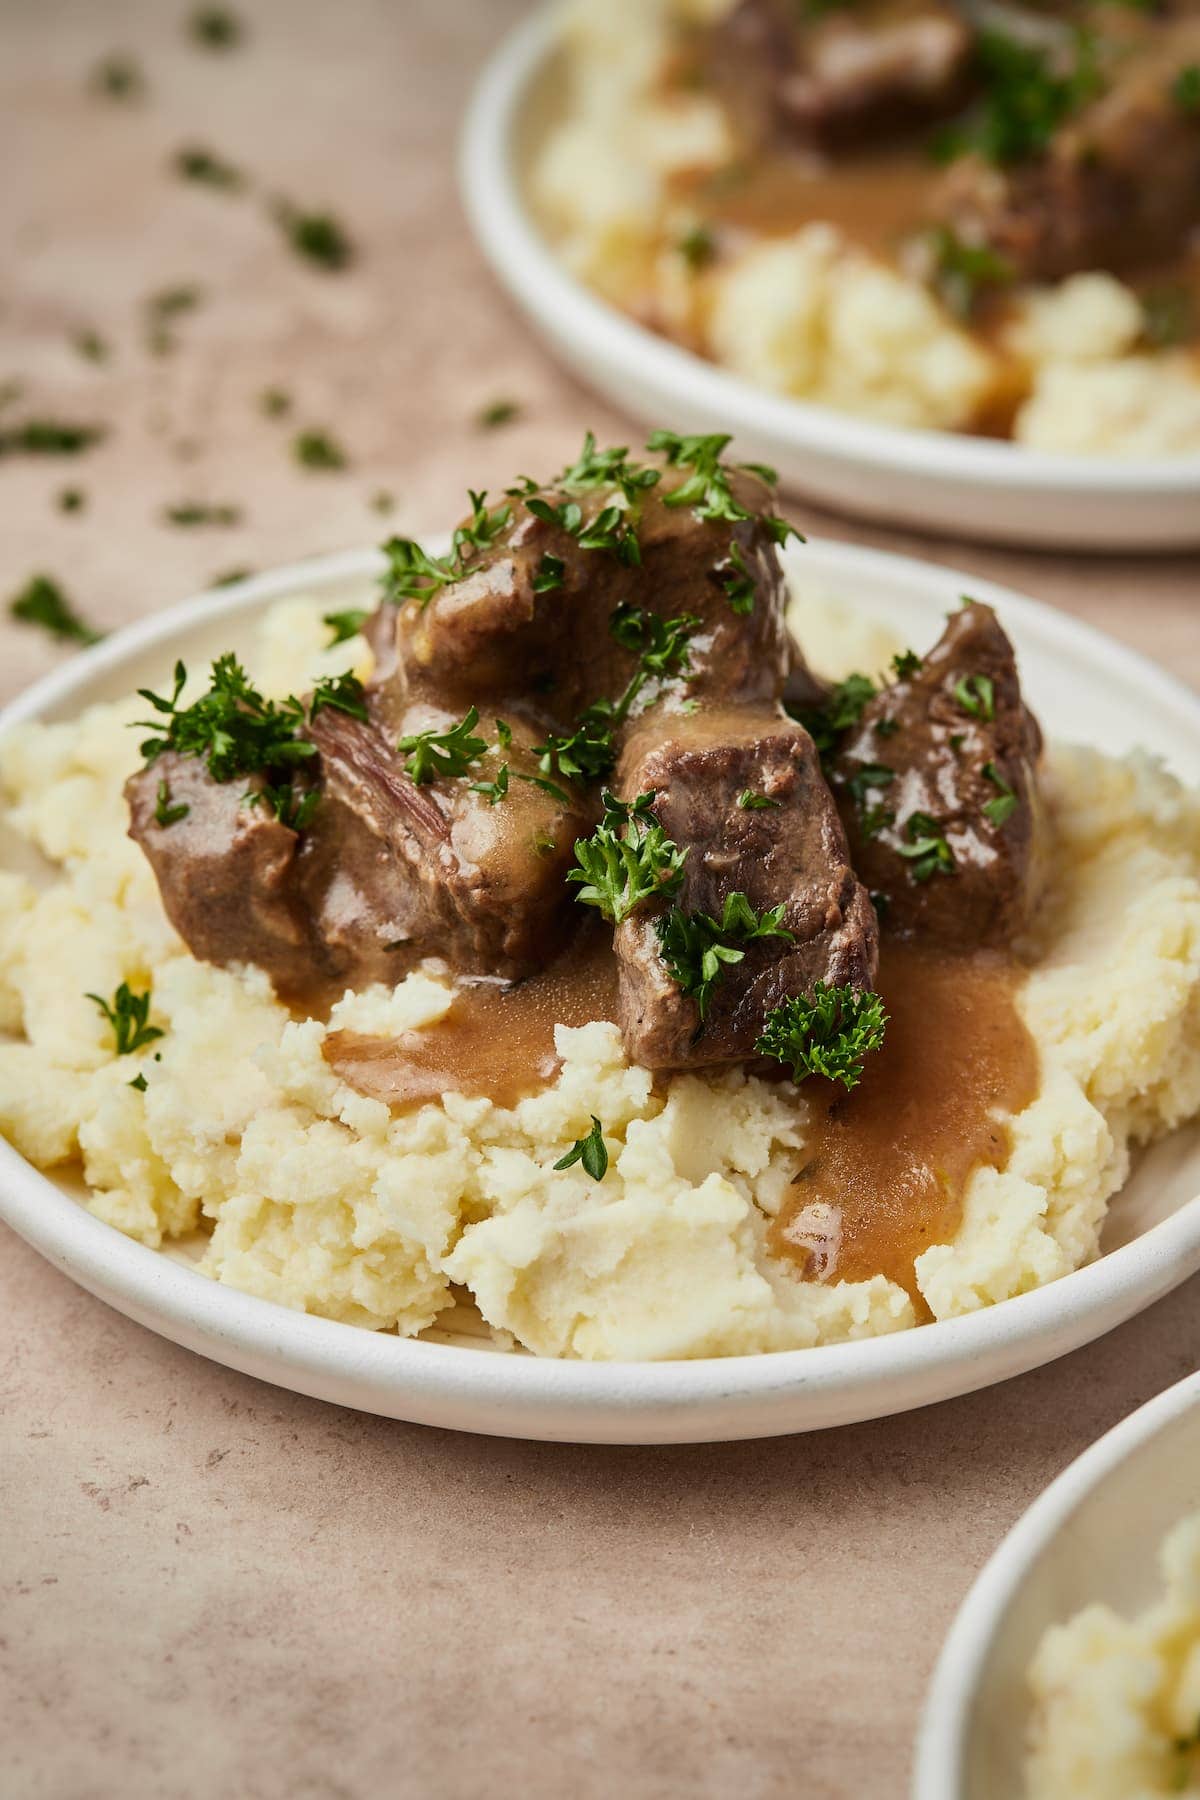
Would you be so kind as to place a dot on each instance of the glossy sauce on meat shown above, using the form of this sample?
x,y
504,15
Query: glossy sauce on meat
x,y
888,1164
495,1041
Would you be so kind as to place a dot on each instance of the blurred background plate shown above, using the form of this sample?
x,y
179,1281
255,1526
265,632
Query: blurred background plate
x,y
1094,1535
932,481
1091,689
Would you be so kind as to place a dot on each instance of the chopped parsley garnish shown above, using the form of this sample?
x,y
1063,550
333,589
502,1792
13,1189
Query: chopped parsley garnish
x,y
216,28
1185,90
591,1151
976,694
42,602
201,512
842,707
1027,95
431,755
164,812
317,450
585,754
128,1014
138,1082
868,776
697,247
610,529
497,413
628,860
340,693
697,948
609,468
906,663
415,575
164,307
71,500
91,346
1002,808
549,574
316,236
662,644
706,489
960,273
749,801
1168,317
830,1033
738,583
274,402
874,819
119,77
232,728
227,577
927,851
288,804
49,437
493,791
194,163
382,502
345,625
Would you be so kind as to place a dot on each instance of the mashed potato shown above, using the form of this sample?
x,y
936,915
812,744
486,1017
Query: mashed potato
x,y
810,314
313,1196
1117,1701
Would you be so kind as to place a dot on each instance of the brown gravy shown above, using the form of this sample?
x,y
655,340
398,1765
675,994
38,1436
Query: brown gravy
x,y
495,1041
888,1163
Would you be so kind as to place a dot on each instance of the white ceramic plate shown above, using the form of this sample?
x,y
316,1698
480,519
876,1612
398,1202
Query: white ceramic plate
x,y
934,481
1093,1535
1087,686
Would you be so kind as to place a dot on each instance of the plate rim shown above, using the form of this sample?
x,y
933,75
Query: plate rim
x,y
865,1378
943,1736
524,262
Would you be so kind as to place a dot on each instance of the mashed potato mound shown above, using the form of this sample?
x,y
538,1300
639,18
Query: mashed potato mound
x,y
810,314
1117,1701
311,1195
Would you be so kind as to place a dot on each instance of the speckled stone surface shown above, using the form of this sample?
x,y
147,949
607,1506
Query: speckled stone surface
x,y
210,1588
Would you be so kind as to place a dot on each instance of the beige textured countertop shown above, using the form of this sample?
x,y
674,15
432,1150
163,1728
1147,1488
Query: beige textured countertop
x,y
211,1588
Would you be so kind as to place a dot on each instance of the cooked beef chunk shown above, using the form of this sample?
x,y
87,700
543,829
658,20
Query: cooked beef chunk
x,y
496,632
936,784
395,872
843,76
791,851
1118,186
227,870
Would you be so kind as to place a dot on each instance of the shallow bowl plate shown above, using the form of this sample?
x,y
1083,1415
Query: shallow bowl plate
x,y
1093,1535
930,480
1087,687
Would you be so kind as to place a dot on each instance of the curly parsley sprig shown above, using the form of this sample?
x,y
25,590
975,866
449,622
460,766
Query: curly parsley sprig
x,y
830,1032
628,860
